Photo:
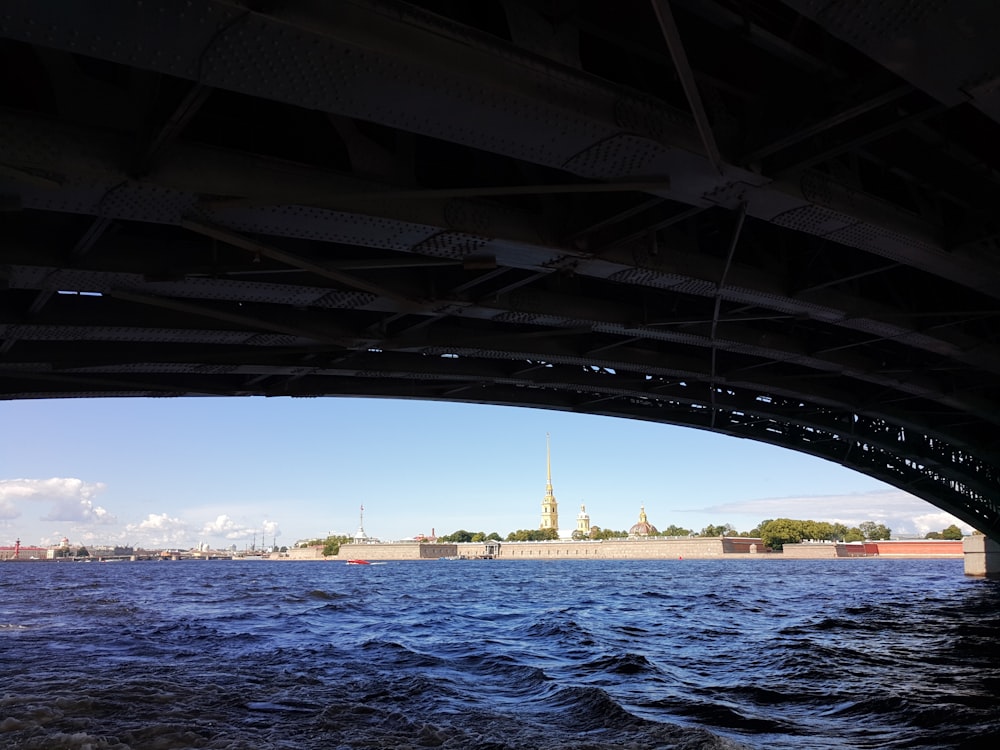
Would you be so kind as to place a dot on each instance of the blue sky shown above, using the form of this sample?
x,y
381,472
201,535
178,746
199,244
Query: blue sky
x,y
179,472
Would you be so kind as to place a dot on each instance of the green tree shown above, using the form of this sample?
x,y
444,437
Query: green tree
x,y
873,530
723,530
821,530
673,530
596,532
854,534
781,531
952,532
331,545
532,535
839,531
458,537
82,552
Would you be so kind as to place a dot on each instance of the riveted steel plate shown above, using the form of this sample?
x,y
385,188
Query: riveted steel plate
x,y
273,340
622,156
888,244
309,223
647,277
346,300
456,245
137,334
814,220
173,368
517,318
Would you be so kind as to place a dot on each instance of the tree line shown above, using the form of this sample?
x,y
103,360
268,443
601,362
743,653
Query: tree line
x,y
773,532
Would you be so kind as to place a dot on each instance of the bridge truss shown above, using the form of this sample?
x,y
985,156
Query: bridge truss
x,y
773,220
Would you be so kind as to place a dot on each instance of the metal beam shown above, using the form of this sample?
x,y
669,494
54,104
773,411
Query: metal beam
x,y
669,28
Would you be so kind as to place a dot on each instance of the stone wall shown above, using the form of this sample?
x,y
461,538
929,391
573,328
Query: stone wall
x,y
609,549
920,548
882,548
300,553
398,551
655,548
811,551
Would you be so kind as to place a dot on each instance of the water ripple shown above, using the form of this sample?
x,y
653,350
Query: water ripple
x,y
494,655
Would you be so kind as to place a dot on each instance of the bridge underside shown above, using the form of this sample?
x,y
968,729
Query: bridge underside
x,y
773,220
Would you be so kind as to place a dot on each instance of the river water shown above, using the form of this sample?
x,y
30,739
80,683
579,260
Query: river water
x,y
493,654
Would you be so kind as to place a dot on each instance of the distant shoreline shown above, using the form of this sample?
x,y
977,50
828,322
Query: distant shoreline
x,y
655,548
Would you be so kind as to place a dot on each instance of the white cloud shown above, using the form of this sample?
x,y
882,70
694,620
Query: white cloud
x,y
159,530
7,508
226,527
938,521
66,506
270,529
70,499
221,526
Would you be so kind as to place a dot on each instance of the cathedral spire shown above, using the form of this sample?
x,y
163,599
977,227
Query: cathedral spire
x,y
548,465
550,509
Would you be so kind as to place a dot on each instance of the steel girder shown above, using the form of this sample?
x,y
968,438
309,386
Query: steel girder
x,y
382,199
392,64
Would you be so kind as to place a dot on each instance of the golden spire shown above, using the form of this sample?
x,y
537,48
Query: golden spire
x,y
550,509
548,465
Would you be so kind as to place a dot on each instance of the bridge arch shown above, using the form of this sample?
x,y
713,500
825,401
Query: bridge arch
x,y
437,201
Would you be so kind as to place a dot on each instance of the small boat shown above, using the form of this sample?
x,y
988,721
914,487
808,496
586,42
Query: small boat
x,y
358,562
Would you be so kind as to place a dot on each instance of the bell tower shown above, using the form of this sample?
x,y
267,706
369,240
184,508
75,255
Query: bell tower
x,y
550,508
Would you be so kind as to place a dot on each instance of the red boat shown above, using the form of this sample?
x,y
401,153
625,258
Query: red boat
x,y
358,562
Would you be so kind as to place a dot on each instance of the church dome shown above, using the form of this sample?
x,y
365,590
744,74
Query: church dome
x,y
644,527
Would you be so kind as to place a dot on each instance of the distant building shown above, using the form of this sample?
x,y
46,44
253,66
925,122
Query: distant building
x,y
550,508
29,552
360,537
583,522
643,528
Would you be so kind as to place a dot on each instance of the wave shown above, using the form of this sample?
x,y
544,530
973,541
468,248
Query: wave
x,y
626,664
325,596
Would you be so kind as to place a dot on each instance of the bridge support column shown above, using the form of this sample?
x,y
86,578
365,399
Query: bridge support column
x,y
982,556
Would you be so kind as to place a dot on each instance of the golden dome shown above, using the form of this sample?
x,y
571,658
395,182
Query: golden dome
x,y
644,527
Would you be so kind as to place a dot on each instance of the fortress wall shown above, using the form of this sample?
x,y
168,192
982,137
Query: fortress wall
x,y
743,545
608,549
391,551
920,547
810,551
635,549
429,551
882,548
399,551
314,552
612,549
